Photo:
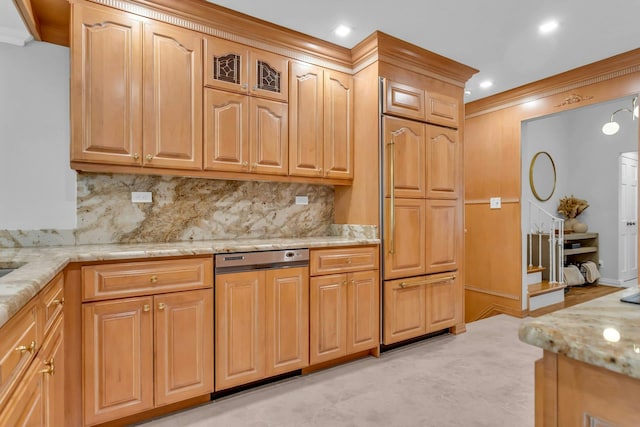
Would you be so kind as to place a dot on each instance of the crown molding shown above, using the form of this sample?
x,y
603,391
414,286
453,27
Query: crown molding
x,y
596,72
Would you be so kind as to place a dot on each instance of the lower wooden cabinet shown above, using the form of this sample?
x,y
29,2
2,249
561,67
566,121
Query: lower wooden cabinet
x,y
344,307
344,313
262,326
120,340
39,396
420,305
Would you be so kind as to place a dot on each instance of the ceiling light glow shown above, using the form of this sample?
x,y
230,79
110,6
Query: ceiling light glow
x,y
486,84
342,30
548,27
467,92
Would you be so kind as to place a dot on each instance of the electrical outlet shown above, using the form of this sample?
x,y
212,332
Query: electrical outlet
x,y
302,200
495,202
141,197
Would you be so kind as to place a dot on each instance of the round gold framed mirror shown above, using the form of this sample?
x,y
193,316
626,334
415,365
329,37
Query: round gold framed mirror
x,y
542,176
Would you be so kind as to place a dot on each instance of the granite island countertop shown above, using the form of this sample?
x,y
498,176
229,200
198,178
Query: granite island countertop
x,y
38,265
578,332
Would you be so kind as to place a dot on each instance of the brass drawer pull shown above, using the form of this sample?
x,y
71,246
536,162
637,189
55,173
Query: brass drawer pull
x,y
146,308
51,368
154,279
24,348
161,306
58,301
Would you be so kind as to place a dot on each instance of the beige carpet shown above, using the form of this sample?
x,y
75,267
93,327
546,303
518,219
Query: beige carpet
x,y
481,378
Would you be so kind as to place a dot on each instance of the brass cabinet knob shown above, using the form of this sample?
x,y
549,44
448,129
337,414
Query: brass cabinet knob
x,y
154,279
245,86
30,348
58,301
245,164
146,308
149,156
51,367
255,165
136,156
348,260
161,306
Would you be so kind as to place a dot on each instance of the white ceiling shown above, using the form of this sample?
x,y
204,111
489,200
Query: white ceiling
x,y
498,37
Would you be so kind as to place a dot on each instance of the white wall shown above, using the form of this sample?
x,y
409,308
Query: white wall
x,y
37,186
587,167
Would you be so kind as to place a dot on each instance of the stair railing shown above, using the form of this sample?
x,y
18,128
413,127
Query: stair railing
x,y
542,223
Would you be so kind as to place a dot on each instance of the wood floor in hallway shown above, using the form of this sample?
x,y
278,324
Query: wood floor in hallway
x,y
577,295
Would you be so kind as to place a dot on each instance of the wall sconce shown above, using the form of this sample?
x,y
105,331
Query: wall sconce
x,y
611,127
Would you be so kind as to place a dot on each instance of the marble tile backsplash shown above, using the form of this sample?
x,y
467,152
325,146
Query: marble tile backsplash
x,y
185,209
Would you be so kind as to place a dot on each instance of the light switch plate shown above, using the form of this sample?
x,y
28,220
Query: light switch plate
x,y
495,202
141,197
302,200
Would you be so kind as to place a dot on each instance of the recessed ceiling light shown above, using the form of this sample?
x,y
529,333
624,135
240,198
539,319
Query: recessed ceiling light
x,y
486,84
548,27
467,92
342,30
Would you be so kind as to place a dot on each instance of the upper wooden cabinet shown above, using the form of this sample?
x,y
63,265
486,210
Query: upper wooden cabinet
x,y
172,61
106,86
424,104
320,122
245,134
239,68
136,90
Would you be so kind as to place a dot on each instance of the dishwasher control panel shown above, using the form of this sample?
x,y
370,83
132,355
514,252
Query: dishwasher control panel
x,y
261,259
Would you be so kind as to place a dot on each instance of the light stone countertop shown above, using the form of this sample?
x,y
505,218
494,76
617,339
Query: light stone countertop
x,y
578,332
41,264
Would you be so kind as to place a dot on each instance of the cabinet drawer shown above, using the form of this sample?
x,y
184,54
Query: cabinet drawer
x,y
18,346
329,261
52,300
145,278
403,100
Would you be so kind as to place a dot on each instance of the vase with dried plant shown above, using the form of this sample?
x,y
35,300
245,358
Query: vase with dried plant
x,y
571,207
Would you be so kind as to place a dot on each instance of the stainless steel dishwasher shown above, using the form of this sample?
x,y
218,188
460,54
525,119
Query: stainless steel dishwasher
x,y
261,316
247,261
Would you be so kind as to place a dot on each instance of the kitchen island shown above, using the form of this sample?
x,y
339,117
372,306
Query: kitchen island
x,y
590,372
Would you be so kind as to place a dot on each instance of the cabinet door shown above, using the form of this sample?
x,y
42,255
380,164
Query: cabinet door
x,y
363,313
183,345
444,231
405,239
327,318
26,407
287,320
239,349
268,75
405,158
306,132
226,65
444,301
172,97
118,358
226,131
338,125
106,86
268,133
403,100
442,109
51,364
404,309
444,167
